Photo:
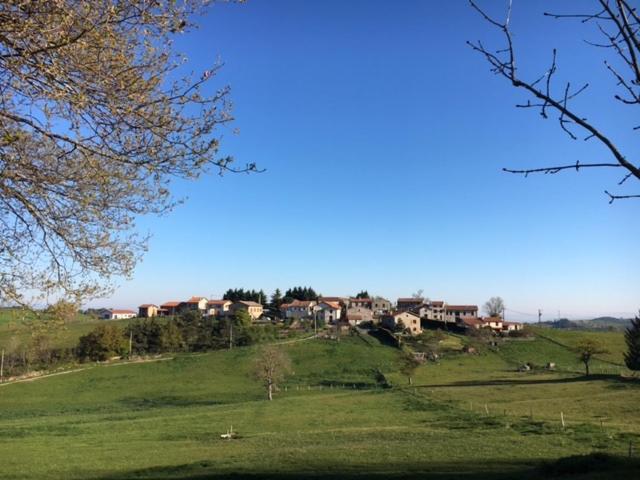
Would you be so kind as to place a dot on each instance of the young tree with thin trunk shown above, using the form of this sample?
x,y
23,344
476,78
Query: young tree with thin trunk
x,y
409,366
586,350
96,121
271,366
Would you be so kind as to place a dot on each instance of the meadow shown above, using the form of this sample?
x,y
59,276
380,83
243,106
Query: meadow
x,y
467,416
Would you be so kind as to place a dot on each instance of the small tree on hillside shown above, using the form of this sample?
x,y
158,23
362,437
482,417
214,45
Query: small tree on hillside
x,y
271,366
363,294
587,349
632,337
494,307
409,365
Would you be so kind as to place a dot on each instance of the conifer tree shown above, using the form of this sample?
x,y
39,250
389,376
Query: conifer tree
x,y
632,337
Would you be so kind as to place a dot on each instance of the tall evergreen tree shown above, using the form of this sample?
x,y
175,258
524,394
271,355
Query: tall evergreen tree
x,y
632,337
363,294
276,299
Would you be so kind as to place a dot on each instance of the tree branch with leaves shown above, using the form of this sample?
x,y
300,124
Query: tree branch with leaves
x,y
96,122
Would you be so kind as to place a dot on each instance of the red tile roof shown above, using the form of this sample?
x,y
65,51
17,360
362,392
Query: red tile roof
x,y
462,307
331,299
437,303
195,299
218,302
334,305
170,304
360,300
472,321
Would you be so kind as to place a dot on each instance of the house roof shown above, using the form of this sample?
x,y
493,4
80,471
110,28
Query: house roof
x,y
334,305
492,319
471,321
331,299
507,324
249,303
462,307
170,304
195,299
302,303
398,314
437,303
116,310
360,300
147,305
411,300
218,302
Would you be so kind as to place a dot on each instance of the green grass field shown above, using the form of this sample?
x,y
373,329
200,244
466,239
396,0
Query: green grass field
x,y
163,420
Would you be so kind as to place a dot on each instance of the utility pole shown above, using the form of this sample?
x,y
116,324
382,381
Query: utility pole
x,y
130,342
230,335
2,367
539,315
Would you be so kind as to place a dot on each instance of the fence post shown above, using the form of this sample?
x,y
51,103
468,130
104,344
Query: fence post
x,y
562,419
486,409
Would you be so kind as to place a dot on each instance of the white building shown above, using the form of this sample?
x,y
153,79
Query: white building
x,y
118,314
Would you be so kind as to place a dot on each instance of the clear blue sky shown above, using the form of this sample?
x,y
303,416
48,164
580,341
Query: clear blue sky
x,y
383,136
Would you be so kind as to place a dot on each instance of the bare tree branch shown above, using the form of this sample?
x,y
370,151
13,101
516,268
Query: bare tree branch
x,y
624,40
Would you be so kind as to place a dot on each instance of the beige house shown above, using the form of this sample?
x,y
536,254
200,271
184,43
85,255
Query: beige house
x,y
380,305
511,326
148,310
361,303
195,303
409,320
356,315
218,308
254,309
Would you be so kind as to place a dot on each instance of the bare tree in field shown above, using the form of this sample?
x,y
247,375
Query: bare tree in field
x,y
270,367
96,121
494,307
618,24
586,350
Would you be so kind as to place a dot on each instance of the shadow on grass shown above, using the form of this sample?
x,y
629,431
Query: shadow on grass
x,y
137,403
587,467
615,380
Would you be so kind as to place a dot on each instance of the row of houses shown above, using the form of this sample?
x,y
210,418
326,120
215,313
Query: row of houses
x,y
409,313
205,306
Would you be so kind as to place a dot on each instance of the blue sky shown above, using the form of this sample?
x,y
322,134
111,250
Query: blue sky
x,y
383,137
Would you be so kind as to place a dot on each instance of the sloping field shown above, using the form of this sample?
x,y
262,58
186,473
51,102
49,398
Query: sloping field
x,y
332,418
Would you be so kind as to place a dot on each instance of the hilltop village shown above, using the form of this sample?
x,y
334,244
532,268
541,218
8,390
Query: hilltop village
x,y
409,315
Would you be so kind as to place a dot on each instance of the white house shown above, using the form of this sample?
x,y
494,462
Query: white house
x,y
118,314
328,312
299,309
218,308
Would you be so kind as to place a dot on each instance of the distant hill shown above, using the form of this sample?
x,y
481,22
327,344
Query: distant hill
x,y
600,323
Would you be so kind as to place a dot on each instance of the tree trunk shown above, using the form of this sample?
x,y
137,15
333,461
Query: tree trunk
x,y
270,391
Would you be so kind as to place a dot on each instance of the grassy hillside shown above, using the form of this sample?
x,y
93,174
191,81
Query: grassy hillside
x,y
13,324
163,420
